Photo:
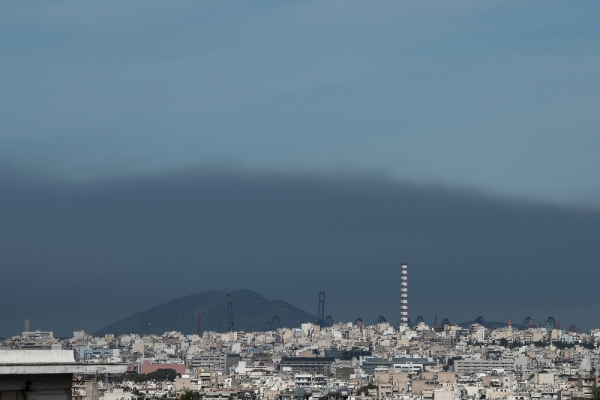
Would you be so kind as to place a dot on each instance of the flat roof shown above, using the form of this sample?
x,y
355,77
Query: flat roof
x,y
37,357
16,362
63,369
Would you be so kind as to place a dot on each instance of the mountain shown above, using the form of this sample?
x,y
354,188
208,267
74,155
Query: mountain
x,y
250,313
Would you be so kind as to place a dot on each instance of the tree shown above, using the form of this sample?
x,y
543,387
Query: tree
x,y
190,395
160,375
365,389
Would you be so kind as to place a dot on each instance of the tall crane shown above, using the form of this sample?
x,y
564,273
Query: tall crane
x,y
198,326
526,324
275,322
551,323
321,313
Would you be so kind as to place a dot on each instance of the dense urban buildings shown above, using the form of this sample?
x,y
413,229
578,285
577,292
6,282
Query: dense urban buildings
x,y
354,360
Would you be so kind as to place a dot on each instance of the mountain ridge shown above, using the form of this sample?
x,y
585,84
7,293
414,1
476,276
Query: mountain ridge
x,y
250,313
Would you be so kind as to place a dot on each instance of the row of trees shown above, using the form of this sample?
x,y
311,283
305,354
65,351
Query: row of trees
x,y
160,375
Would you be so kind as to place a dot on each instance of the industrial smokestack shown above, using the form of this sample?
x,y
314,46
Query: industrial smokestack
x,y
26,325
404,296
509,322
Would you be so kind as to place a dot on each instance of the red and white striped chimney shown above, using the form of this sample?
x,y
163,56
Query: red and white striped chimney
x,y
404,296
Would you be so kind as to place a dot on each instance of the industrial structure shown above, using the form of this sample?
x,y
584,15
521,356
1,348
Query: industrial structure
x,y
527,323
321,311
275,322
551,323
198,326
445,322
230,327
404,296
272,325
267,326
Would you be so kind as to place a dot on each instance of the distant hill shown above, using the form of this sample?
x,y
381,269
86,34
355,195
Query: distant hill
x,y
250,312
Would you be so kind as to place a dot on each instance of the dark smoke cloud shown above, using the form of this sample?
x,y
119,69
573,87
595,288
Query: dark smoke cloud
x,y
82,255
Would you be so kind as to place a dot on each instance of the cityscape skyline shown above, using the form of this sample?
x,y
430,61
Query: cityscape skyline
x,y
342,360
279,200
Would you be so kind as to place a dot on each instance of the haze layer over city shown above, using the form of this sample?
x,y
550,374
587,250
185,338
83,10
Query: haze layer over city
x,y
154,150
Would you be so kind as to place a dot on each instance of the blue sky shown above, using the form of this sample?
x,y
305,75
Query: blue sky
x,y
499,96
